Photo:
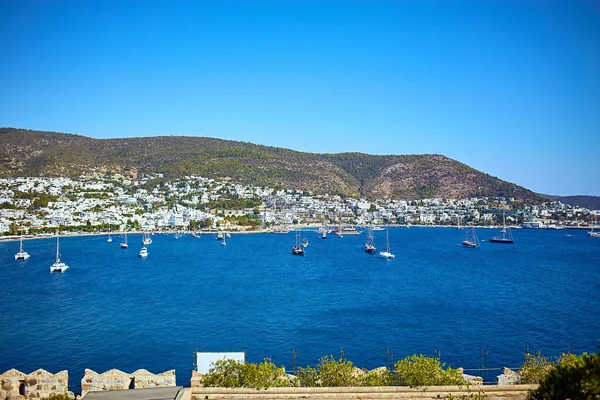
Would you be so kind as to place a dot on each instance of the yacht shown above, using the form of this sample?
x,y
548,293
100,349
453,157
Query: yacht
x,y
297,249
369,245
144,252
471,239
58,265
147,239
305,242
386,254
109,238
220,236
124,245
592,233
21,255
506,237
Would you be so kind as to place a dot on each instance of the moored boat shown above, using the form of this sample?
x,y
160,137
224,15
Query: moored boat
x,y
387,253
21,255
58,265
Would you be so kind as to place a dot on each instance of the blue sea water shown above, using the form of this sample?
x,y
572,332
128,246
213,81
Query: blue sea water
x,y
112,309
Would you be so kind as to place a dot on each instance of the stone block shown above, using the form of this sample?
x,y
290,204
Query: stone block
x,y
196,380
110,380
10,383
42,383
508,377
145,379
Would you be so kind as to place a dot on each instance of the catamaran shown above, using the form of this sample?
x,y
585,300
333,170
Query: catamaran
x,y
387,254
21,255
58,265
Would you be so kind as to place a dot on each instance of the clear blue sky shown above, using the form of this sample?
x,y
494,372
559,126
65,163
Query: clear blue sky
x,y
511,88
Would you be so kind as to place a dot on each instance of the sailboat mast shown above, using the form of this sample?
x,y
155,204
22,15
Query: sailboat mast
x,y
57,236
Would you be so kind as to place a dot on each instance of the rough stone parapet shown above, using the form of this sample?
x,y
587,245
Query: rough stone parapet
x,y
508,377
42,383
10,384
115,379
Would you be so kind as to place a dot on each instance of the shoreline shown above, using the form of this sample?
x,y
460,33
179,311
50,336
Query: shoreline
x,y
12,238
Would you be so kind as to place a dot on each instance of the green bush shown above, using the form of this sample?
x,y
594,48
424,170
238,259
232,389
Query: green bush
x,y
418,370
574,377
231,373
535,368
329,373
62,396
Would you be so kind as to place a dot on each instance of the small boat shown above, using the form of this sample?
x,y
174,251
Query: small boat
x,y
458,222
220,236
592,233
369,245
196,235
377,228
506,237
305,242
124,245
224,241
471,239
386,254
147,239
58,265
109,238
21,255
144,252
297,249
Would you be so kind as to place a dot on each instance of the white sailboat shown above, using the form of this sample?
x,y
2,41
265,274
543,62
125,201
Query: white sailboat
x,y
124,245
146,240
109,238
387,254
224,241
58,265
21,255
591,233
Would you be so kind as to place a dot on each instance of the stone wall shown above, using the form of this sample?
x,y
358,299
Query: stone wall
x,y
36,385
10,384
119,380
42,383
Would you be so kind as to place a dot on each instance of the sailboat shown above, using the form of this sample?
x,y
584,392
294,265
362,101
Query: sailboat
x,y
323,231
21,255
298,250
506,237
369,246
305,242
146,239
124,245
471,239
109,238
458,222
220,235
224,241
387,254
58,265
144,252
592,233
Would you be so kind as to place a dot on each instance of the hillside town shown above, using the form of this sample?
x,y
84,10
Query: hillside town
x,y
99,202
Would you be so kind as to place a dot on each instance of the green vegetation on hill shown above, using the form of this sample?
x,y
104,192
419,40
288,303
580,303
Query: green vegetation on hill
x,y
37,153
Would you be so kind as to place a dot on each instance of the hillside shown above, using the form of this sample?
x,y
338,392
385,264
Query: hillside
x,y
589,202
38,153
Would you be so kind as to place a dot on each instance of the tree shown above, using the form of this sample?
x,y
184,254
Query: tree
x,y
574,377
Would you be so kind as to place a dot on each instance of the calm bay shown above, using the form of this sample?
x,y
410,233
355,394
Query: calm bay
x,y
112,309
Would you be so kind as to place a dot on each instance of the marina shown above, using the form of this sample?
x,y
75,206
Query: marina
x,y
113,310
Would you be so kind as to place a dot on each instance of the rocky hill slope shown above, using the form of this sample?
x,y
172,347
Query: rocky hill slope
x,y
38,153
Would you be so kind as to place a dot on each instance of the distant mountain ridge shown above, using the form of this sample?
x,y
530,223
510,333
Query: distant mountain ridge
x,y
38,153
589,202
